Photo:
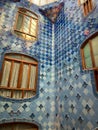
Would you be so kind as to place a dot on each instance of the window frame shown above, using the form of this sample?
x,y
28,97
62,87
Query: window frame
x,y
88,41
87,6
20,73
95,69
19,11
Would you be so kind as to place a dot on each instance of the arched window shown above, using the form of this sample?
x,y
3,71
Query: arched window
x,y
26,24
89,53
18,126
18,76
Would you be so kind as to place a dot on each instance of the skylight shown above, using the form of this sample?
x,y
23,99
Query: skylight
x,y
42,2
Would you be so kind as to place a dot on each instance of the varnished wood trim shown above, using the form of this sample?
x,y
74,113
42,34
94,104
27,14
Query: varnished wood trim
x,y
36,77
29,71
17,60
18,89
24,33
20,74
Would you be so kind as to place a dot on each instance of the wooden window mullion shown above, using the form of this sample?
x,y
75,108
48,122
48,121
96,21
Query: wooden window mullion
x,y
22,93
2,70
87,4
36,76
84,9
90,5
12,92
29,71
83,59
20,74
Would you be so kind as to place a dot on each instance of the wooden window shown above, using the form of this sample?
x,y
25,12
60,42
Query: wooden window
x,y
89,53
42,2
26,25
18,126
18,76
87,6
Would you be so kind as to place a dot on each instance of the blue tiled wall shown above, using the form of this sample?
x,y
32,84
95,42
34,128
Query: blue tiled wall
x,y
65,99
76,96
41,108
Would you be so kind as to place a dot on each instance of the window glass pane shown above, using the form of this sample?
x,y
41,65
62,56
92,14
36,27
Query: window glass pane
x,y
19,22
17,94
87,56
25,76
33,28
13,56
26,58
26,24
95,50
28,94
32,77
6,73
6,93
14,79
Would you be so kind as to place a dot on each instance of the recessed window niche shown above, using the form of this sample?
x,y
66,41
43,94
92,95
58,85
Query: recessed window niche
x,y
18,77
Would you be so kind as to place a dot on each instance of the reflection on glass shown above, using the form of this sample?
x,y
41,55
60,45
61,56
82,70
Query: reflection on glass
x,y
87,56
26,25
32,77
25,76
95,50
19,22
14,79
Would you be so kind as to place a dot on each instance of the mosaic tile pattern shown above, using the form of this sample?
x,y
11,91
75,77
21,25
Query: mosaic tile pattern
x,y
35,109
76,99
65,99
